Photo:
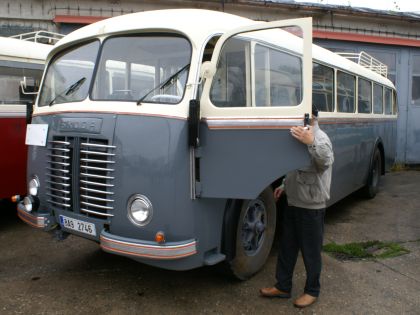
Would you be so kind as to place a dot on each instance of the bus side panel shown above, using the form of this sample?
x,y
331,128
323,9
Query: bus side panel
x,y
389,138
240,163
13,157
353,144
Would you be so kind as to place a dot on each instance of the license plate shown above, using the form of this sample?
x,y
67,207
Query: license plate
x,y
77,225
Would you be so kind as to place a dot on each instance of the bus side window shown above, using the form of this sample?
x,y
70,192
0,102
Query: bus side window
x,y
278,77
388,101
10,90
378,99
345,92
364,99
229,88
323,87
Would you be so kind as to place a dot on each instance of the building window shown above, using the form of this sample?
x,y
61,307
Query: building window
x,y
415,81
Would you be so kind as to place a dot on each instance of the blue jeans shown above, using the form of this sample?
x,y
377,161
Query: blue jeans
x,y
301,229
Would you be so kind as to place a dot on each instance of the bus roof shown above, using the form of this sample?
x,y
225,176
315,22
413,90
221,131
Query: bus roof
x,y
20,50
194,23
198,25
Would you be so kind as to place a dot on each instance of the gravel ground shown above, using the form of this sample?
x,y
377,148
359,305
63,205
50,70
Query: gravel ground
x,y
40,275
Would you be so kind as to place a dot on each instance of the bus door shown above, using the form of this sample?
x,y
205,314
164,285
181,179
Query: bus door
x,y
257,85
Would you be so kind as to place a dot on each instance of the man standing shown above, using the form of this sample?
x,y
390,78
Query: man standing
x,y
302,227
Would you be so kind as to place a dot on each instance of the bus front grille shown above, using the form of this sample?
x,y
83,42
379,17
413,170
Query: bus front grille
x,y
58,173
97,160
80,176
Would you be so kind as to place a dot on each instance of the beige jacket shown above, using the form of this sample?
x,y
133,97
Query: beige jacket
x,y
310,187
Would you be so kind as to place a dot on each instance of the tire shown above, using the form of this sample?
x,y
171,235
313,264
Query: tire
x,y
255,231
371,188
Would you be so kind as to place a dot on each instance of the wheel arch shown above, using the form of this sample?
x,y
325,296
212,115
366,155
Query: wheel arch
x,y
229,241
380,146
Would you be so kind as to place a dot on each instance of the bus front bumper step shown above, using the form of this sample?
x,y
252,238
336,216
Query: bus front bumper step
x,y
40,221
139,248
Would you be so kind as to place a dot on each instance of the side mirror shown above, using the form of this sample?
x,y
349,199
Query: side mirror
x,y
25,84
207,70
194,123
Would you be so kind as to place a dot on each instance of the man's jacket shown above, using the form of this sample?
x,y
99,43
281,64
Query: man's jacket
x,y
310,187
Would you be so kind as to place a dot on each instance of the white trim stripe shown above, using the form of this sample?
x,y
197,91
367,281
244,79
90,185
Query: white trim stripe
x,y
147,250
253,123
12,114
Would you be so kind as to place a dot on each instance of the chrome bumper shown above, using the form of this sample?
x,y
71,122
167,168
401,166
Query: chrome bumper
x,y
138,248
31,219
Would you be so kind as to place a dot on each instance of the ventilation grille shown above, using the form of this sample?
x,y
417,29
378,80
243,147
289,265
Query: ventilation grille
x,y
97,160
80,176
59,177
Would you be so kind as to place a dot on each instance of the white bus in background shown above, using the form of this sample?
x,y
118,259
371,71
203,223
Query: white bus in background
x,y
22,60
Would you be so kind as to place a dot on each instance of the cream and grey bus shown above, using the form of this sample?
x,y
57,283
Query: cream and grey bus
x,y
160,134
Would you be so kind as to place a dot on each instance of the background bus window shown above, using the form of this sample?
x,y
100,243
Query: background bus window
x,y
378,99
388,101
345,92
364,98
229,88
10,91
323,87
278,78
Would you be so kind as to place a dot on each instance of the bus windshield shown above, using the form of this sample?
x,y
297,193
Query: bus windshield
x,y
146,69
69,74
149,69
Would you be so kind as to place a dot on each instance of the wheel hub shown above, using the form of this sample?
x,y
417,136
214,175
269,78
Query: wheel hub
x,y
253,226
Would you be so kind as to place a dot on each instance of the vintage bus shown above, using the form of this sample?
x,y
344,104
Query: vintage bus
x,y
164,138
22,62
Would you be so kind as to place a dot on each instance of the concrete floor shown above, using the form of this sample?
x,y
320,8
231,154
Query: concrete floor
x,y
40,275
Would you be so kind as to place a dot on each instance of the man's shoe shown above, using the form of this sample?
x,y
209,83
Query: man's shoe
x,y
274,292
304,300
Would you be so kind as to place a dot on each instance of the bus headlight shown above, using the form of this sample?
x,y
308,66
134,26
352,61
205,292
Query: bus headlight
x,y
140,210
28,203
33,186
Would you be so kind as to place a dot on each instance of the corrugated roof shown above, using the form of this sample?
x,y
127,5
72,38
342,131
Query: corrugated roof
x,y
330,7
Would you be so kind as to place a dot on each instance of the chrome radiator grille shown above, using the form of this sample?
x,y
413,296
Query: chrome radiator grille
x,y
58,174
80,176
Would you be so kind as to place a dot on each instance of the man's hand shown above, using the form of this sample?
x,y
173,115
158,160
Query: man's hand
x,y
277,192
303,134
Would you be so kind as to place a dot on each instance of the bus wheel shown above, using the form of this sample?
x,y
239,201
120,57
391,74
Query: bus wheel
x,y
371,188
254,235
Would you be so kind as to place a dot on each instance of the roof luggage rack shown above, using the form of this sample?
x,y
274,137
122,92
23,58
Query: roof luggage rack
x,y
367,61
43,37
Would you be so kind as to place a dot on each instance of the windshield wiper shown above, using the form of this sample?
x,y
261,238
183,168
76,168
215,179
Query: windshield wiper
x,y
164,83
70,90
